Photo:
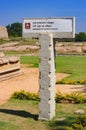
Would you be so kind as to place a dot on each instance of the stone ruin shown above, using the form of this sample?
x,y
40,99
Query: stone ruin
x,y
9,66
3,32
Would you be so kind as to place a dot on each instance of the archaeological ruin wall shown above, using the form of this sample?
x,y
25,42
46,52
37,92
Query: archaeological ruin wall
x,y
3,32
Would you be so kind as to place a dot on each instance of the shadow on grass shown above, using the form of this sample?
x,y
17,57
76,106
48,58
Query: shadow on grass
x,y
61,125
20,113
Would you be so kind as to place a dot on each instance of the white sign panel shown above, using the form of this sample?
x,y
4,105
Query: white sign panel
x,y
57,26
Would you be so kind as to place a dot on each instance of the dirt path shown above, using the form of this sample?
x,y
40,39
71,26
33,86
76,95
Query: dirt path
x,y
29,82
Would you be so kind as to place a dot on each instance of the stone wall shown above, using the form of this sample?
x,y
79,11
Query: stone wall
x,y
3,32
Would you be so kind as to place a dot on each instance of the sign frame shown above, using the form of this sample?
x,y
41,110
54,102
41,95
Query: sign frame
x,y
56,33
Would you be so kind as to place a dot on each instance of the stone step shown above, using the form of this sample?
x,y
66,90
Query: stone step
x,y
11,75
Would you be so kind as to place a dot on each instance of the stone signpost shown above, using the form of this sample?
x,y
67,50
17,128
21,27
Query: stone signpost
x,y
46,29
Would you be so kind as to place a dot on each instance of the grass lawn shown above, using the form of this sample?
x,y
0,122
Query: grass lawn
x,y
33,61
73,65
23,114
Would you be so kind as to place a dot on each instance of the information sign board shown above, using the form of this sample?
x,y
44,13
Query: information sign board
x,y
59,27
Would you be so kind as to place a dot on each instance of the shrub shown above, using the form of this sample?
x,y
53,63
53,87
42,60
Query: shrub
x,y
81,120
77,97
80,124
70,98
59,97
69,128
25,95
76,127
71,82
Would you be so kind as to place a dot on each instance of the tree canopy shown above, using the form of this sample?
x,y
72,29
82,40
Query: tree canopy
x,y
80,37
15,29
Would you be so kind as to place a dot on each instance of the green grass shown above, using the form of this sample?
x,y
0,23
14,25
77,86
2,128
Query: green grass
x,y
30,60
73,65
8,126
23,114
21,52
2,41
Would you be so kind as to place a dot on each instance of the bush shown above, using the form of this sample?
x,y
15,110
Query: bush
x,y
76,127
75,82
69,128
25,95
81,120
59,98
76,97
80,124
70,98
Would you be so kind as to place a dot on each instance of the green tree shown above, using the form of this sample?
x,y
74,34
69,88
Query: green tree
x,y
15,29
80,37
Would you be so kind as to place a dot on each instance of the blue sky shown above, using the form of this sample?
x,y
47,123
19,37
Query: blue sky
x,y
15,10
